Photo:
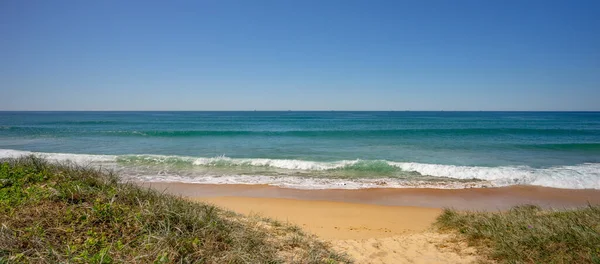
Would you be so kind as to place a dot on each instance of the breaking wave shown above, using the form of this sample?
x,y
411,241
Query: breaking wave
x,y
326,175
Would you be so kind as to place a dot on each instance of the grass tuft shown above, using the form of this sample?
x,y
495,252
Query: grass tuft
x,y
56,213
528,234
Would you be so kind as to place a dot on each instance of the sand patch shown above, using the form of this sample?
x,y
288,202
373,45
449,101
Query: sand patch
x,y
368,233
425,247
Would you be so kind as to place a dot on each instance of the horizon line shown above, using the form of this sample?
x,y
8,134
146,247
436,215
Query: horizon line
x,y
300,110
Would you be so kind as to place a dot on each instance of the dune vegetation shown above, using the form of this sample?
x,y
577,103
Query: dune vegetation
x,y
51,213
528,234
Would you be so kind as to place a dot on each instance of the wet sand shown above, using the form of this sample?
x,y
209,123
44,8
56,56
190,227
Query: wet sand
x,y
489,199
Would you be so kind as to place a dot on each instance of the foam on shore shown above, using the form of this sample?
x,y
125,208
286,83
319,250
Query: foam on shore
x,y
343,174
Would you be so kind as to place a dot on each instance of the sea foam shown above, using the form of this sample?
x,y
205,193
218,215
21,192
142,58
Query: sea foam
x,y
581,176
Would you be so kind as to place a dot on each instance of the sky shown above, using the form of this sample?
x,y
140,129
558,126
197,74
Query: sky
x,y
300,55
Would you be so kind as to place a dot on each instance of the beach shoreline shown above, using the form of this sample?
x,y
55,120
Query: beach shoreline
x,y
480,199
378,225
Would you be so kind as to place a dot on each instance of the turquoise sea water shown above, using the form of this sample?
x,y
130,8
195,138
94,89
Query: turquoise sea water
x,y
320,149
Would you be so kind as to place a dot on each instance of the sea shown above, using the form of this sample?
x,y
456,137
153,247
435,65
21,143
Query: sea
x,y
319,149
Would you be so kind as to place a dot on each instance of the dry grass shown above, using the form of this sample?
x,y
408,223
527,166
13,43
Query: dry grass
x,y
528,234
52,213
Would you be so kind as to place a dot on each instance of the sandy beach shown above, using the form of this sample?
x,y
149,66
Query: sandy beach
x,y
481,199
368,233
378,225
335,220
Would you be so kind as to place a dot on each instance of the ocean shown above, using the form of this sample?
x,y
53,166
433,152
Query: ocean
x,y
320,150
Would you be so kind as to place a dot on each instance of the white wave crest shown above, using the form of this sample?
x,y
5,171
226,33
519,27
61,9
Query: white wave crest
x,y
582,176
77,158
277,163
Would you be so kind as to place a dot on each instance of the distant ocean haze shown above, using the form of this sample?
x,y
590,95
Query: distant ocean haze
x,y
320,149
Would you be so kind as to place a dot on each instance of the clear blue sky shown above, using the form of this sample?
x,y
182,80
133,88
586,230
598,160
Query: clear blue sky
x,y
300,55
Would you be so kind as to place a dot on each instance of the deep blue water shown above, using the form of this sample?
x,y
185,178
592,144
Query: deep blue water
x,y
320,149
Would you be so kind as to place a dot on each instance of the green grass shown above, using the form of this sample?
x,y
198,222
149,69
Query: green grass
x,y
528,234
52,213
